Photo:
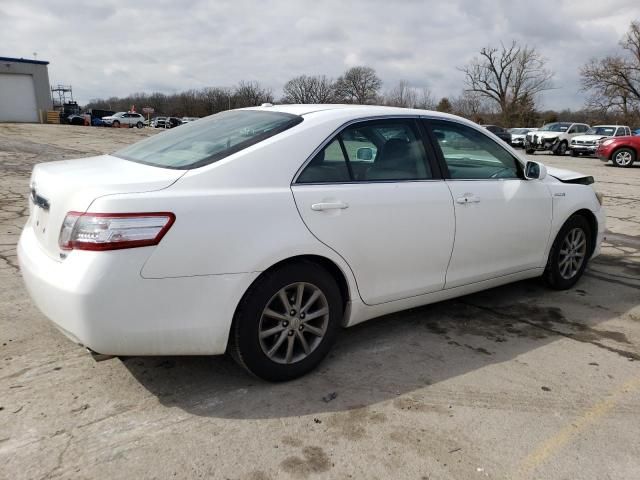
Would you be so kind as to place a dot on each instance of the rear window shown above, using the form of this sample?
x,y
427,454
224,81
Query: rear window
x,y
208,140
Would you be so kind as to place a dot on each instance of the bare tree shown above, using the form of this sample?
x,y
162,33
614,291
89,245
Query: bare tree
x,y
511,77
309,89
614,81
358,85
250,94
426,100
444,105
402,95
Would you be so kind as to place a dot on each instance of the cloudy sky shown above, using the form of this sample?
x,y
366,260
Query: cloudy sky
x,y
116,47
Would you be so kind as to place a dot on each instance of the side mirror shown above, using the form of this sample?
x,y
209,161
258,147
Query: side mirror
x,y
364,153
534,170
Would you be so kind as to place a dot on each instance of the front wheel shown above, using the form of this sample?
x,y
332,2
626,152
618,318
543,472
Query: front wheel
x,y
624,157
562,149
116,124
139,125
569,254
287,322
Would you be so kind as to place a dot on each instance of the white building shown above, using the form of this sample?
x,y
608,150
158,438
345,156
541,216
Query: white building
x,y
24,90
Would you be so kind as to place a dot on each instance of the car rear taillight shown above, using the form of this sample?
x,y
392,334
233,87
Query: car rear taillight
x,y
112,231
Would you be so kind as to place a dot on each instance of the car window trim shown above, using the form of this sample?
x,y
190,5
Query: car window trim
x,y
426,120
436,173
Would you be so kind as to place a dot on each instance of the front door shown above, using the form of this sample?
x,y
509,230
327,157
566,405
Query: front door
x,y
503,221
372,195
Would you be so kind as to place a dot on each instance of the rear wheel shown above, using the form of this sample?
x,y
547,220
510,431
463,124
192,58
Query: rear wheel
x,y
530,151
623,157
287,322
569,254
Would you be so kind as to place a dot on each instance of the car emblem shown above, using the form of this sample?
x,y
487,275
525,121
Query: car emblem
x,y
39,200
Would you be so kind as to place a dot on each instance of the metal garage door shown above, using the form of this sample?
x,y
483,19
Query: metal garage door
x,y
17,98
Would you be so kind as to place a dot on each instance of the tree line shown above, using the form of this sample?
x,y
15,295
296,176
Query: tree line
x,y
502,85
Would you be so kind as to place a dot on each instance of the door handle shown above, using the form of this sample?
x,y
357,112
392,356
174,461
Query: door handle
x,y
318,207
467,198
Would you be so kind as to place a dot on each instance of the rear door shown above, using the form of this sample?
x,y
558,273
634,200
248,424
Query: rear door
x,y
502,221
373,194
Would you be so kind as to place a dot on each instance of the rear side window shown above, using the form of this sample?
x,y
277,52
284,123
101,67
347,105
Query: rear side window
x,y
376,150
208,140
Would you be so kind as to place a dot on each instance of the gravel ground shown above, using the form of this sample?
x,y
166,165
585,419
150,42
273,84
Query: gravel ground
x,y
514,382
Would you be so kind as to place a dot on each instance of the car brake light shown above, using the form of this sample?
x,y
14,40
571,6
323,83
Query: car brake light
x,y
112,231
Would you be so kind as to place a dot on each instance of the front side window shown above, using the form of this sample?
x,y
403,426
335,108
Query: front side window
x,y
208,140
377,150
472,155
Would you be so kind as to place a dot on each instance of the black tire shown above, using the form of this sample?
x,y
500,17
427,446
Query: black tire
x,y
116,124
574,153
530,151
561,149
552,274
139,125
623,157
244,342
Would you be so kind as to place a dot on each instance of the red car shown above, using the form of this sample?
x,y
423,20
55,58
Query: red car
x,y
623,151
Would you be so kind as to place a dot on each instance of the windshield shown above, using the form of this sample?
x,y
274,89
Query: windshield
x,y
606,131
555,127
209,139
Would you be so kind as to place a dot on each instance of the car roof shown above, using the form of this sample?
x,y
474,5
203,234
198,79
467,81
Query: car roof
x,y
609,126
342,111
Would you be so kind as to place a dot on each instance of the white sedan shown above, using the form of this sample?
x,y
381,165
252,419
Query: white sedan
x,y
262,231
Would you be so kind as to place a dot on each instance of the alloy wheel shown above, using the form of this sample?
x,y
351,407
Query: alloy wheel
x,y
293,323
572,253
623,158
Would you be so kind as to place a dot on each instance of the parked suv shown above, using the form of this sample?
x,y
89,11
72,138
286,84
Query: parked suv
x,y
554,136
588,143
124,118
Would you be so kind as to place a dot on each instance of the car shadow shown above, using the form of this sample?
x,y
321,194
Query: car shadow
x,y
399,353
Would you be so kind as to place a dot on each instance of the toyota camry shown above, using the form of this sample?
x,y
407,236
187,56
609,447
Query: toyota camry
x,y
262,231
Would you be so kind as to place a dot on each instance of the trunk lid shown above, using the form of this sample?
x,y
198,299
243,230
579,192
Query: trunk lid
x,y
72,185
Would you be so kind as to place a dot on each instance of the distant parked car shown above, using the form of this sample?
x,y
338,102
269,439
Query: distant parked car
x,y
124,118
189,119
588,143
637,132
554,137
622,151
76,119
158,122
518,135
172,122
499,132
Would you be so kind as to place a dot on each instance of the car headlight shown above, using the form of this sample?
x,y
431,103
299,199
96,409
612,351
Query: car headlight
x,y
607,142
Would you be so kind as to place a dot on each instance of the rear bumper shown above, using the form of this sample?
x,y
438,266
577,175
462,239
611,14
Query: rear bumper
x,y
99,300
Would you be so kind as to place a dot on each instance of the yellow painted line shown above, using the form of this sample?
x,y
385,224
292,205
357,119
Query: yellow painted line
x,y
554,444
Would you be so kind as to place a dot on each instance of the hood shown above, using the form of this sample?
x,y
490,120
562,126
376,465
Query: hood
x,y
568,176
588,138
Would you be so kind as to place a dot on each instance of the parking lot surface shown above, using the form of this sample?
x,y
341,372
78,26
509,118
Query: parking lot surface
x,y
515,382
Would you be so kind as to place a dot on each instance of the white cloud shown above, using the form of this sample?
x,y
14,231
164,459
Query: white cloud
x,y
117,47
